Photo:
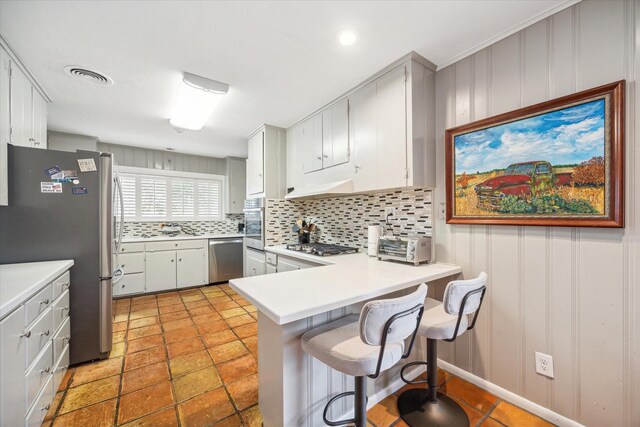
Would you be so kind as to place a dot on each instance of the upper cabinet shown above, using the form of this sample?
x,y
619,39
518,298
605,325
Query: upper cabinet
x,y
379,135
23,111
237,184
266,163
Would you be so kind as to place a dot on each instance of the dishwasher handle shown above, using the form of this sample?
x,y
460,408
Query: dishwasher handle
x,y
213,242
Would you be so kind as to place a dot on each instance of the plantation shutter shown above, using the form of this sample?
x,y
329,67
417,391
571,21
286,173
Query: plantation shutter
x,y
153,197
182,198
129,197
210,199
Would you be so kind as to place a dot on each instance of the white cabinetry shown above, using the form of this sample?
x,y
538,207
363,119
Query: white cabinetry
x,y
131,259
312,143
173,265
34,339
237,184
255,164
160,270
380,135
5,121
286,263
266,163
23,111
255,264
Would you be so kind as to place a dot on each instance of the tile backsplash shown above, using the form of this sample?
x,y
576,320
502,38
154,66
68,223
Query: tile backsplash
x,y
344,220
227,226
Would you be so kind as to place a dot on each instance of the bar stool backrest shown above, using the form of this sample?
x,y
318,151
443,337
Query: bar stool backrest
x,y
456,291
376,314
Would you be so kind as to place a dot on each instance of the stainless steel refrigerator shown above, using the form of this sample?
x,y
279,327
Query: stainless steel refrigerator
x,y
77,223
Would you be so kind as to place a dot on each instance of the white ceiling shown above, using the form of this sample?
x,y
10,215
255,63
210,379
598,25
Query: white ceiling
x,y
281,58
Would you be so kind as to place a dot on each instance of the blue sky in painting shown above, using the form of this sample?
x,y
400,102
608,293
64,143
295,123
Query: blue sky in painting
x,y
567,136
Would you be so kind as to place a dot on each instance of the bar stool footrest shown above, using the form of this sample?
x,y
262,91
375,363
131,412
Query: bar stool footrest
x,y
330,402
409,365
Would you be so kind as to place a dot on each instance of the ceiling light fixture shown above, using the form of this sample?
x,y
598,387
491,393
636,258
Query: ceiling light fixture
x,y
347,37
198,97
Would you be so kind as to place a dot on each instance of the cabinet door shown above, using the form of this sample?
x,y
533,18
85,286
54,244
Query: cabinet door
x,y
313,143
5,125
237,182
392,129
191,268
335,134
12,369
21,108
39,120
362,117
256,264
285,265
295,156
271,269
255,164
160,269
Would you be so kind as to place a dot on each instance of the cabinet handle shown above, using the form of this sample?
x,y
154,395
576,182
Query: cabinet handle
x,y
26,334
66,338
319,157
36,143
45,301
176,245
64,308
326,156
357,168
45,333
66,285
45,408
47,370
180,259
171,260
32,140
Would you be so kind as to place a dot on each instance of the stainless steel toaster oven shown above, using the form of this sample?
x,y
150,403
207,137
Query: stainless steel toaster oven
x,y
412,250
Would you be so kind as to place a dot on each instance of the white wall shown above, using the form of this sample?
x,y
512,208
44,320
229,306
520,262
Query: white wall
x,y
573,293
71,142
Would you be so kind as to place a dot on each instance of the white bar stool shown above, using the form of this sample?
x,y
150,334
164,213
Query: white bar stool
x,y
446,320
365,345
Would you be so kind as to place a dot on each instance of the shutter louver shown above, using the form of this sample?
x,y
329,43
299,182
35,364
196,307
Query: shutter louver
x,y
182,199
129,196
153,197
209,199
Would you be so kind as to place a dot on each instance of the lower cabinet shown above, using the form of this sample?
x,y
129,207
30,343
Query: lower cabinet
x,y
255,264
160,268
34,355
286,263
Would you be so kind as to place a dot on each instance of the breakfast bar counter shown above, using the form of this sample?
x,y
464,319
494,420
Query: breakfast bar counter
x,y
293,386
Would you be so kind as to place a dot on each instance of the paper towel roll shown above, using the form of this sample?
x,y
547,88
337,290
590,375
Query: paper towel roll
x,y
373,234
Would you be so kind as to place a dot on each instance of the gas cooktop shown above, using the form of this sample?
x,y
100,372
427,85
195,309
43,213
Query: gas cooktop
x,y
321,249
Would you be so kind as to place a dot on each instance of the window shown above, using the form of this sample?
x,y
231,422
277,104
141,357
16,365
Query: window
x,y
170,196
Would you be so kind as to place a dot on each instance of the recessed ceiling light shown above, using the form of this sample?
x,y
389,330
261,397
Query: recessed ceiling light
x,y
347,37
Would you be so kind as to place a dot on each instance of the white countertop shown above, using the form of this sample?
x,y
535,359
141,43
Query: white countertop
x,y
342,280
18,282
132,239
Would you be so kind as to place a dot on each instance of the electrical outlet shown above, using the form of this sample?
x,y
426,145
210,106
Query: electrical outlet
x,y
390,210
544,364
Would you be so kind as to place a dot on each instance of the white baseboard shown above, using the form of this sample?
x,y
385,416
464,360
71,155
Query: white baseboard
x,y
510,397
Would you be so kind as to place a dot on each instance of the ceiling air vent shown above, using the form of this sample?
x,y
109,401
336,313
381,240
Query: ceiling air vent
x,y
87,75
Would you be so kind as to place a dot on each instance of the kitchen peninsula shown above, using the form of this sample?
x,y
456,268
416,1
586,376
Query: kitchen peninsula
x,y
293,387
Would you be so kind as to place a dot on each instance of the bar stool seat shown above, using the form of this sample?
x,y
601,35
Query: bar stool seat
x,y
365,345
338,344
437,323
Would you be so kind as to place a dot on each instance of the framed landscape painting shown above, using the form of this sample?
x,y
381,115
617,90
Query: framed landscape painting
x,y
559,162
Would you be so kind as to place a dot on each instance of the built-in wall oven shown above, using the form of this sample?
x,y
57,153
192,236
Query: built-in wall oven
x,y
254,223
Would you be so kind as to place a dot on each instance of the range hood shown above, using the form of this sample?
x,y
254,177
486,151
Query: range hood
x,y
336,188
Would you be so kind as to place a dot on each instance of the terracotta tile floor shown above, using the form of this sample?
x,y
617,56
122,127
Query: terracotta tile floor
x,y
189,359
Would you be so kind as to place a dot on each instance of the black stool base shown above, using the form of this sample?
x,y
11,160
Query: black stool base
x,y
417,411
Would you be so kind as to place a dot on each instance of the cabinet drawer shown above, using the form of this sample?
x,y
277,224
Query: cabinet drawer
x,y
39,372
60,310
61,284
40,408
176,245
60,368
131,247
132,263
272,258
38,303
39,334
129,284
61,339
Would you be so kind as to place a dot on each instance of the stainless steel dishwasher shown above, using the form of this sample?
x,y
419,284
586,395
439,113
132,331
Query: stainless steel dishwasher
x,y
225,259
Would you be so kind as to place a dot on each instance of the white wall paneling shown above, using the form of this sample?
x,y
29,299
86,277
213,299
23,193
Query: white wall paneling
x,y
572,293
167,160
